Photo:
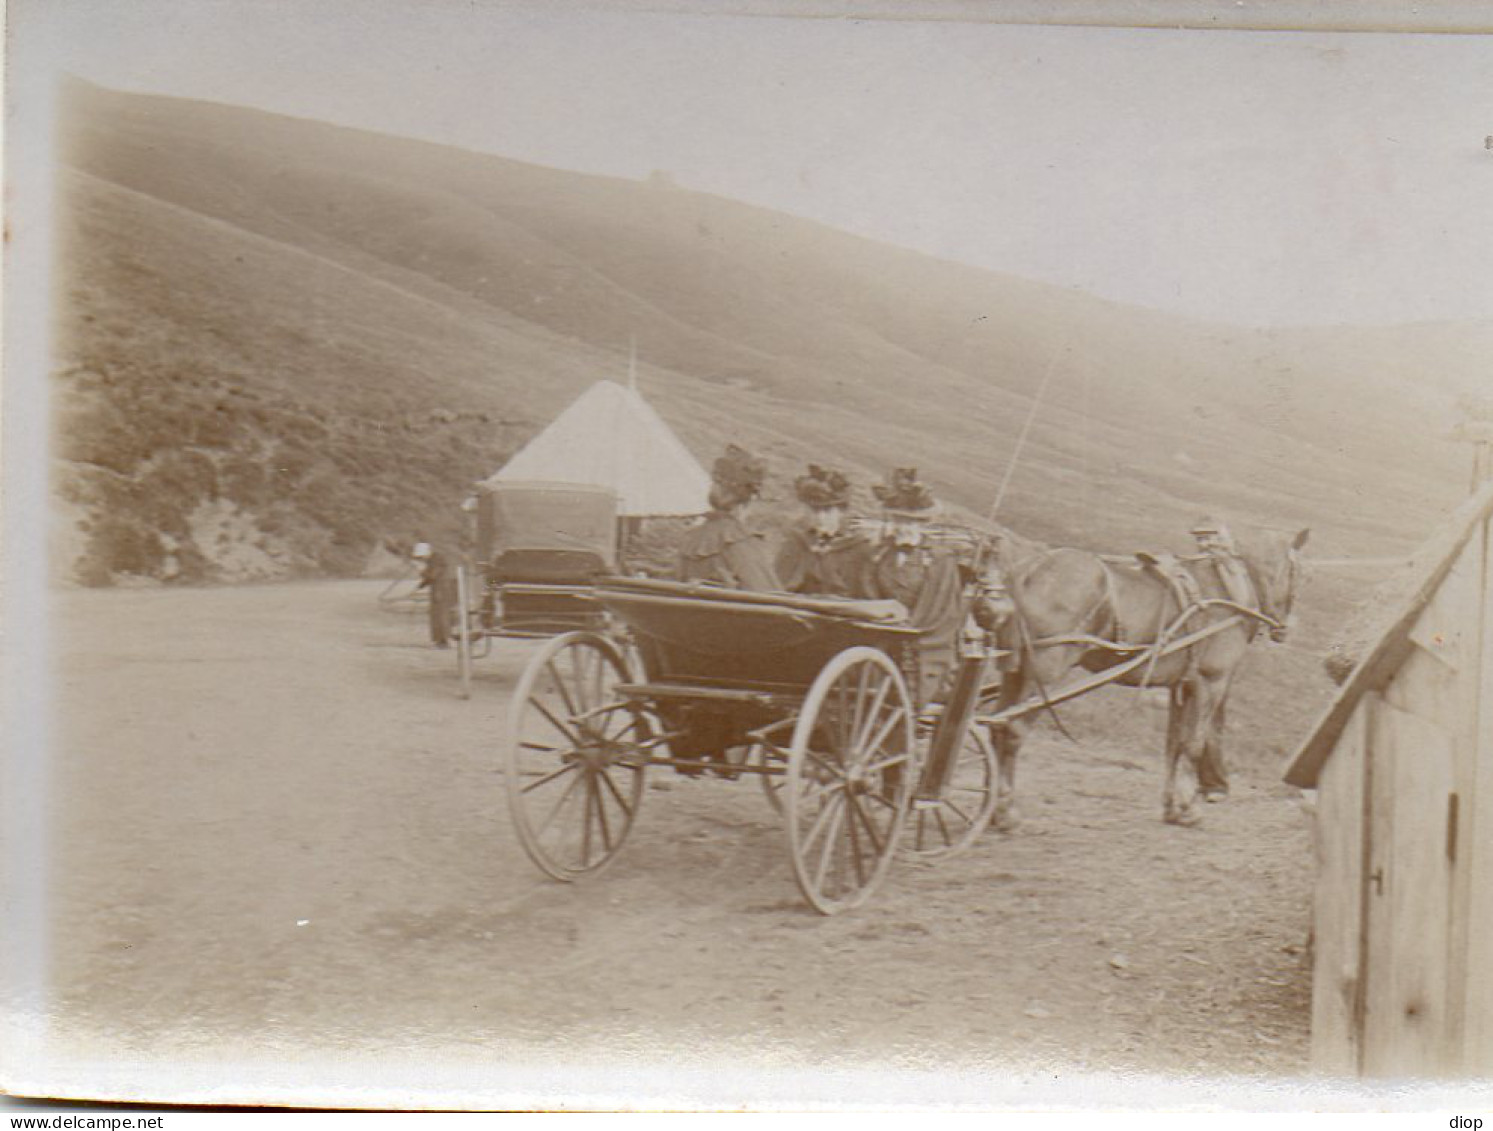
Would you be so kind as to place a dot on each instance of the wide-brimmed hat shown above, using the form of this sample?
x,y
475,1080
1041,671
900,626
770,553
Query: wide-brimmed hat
x,y
902,494
738,474
1207,524
822,487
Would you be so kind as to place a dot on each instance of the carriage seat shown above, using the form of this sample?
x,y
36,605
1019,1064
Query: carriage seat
x,y
547,567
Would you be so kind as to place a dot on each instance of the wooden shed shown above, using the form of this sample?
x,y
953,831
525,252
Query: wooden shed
x,y
1402,762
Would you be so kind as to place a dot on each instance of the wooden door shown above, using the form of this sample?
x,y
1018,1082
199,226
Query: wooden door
x,y
1406,1011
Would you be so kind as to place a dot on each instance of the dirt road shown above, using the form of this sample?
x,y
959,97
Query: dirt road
x,y
279,829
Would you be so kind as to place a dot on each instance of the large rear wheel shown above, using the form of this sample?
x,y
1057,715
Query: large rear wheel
x,y
851,769
576,757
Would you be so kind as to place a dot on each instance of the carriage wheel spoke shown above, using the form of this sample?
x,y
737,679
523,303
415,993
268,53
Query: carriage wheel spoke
x,y
629,722
553,813
943,826
854,842
601,815
829,767
857,811
827,808
830,842
598,681
616,793
870,717
561,688
563,728
540,747
551,776
962,815
882,800
886,728
887,763
586,821
860,701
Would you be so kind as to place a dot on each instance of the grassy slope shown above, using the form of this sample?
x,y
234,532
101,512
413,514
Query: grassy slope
x,y
371,308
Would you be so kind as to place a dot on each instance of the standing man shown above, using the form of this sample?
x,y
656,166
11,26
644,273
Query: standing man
x,y
821,555
722,549
438,574
1216,546
905,566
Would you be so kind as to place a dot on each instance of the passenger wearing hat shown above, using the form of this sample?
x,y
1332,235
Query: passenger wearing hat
x,y
437,574
1212,536
721,549
907,567
820,554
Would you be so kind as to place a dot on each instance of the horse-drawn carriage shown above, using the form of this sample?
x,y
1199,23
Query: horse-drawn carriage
x,y
540,549
821,699
820,692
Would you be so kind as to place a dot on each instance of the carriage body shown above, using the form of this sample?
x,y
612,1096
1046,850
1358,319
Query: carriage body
x,y
809,695
541,548
727,669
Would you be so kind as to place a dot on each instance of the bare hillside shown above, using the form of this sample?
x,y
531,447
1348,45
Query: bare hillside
x,y
302,343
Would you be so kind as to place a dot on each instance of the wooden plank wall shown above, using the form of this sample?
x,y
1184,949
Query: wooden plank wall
x,y
1404,906
1476,967
1408,896
1338,916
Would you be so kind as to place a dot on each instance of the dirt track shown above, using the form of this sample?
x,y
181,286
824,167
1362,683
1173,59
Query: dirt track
x,y
279,828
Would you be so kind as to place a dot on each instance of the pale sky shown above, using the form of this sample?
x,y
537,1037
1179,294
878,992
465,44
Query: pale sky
x,y
1253,177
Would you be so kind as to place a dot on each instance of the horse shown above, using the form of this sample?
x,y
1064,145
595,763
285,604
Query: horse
x,y
1076,609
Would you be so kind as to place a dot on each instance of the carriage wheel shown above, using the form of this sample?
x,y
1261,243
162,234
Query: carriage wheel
x,y
851,770
955,821
772,784
575,757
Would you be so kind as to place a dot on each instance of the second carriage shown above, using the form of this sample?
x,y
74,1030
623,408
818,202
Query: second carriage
x,y
541,547
817,697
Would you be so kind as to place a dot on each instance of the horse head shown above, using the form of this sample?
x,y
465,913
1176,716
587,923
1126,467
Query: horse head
x,y
1275,567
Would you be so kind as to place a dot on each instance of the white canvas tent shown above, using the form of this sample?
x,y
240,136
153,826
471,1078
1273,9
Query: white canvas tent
x,y
611,437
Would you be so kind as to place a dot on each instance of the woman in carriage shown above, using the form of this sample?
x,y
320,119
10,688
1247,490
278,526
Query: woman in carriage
x,y
909,567
821,555
722,549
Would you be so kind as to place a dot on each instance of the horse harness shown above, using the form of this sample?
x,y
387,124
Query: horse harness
x,y
1235,574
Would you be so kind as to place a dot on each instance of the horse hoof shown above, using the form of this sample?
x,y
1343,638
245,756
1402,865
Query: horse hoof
x,y
1186,819
1214,796
1006,823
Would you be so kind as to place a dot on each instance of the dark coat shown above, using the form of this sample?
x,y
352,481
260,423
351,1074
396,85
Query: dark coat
x,y
439,576
722,550
926,579
834,567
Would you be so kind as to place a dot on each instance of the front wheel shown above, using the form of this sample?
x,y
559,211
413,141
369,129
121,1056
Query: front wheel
x,y
576,755
963,810
852,767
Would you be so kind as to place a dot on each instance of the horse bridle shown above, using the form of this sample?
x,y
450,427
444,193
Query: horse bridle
x,y
1277,621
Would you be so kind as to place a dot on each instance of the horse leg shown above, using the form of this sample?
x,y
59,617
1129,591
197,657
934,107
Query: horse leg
x,y
1185,729
1213,772
1006,738
1041,674
1181,696
1199,709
